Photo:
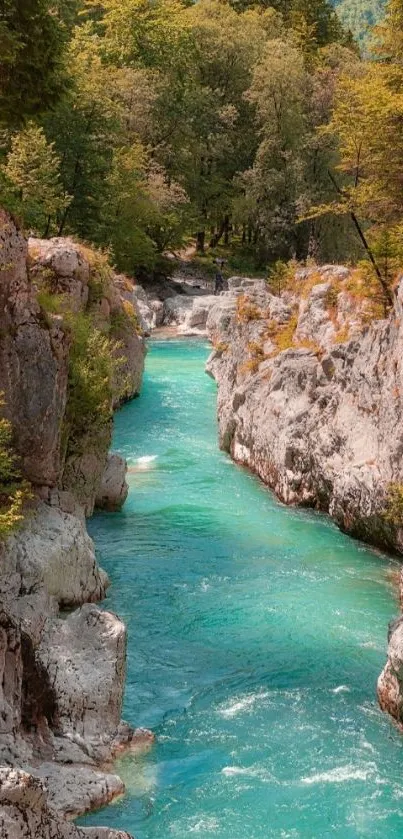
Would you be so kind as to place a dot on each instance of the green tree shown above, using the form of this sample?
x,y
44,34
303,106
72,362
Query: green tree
x,y
32,171
32,40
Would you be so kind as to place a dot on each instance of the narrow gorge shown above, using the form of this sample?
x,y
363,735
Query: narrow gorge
x,y
252,632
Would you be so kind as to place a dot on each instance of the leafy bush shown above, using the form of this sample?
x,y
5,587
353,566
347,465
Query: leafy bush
x,y
246,310
125,319
50,303
14,492
91,368
393,512
280,275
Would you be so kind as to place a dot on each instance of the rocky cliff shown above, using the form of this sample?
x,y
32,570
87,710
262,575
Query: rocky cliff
x,y
70,350
310,397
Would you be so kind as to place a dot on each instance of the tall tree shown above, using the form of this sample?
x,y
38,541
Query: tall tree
x,y
32,40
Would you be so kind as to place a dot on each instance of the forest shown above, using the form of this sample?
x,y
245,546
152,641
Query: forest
x,y
261,127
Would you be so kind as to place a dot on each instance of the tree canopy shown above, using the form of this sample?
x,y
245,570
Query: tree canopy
x,y
138,125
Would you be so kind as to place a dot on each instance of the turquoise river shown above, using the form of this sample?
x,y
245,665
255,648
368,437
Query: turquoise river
x,y
256,635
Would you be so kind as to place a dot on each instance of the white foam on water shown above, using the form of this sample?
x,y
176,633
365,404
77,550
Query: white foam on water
x,y
248,772
206,824
228,771
365,744
340,775
244,704
142,464
197,824
341,689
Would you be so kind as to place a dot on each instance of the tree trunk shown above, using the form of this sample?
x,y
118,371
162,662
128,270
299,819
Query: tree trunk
x,y
200,241
46,231
385,288
217,236
226,230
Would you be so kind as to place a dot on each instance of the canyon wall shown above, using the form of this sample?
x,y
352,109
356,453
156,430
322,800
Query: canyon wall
x,y
63,315
310,397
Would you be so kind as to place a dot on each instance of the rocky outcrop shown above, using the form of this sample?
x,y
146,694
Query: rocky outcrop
x,y
26,813
33,363
61,677
319,420
113,491
181,303
53,550
69,281
189,314
390,682
310,397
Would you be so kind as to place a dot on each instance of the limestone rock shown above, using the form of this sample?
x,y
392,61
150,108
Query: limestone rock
x,y
33,363
61,679
53,550
320,421
189,313
84,467
61,260
321,426
26,813
113,491
390,682
74,790
84,657
66,268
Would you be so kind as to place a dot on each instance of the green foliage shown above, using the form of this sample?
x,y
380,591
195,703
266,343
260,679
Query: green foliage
x,y
50,303
13,491
91,367
217,120
32,171
279,276
393,512
124,320
32,42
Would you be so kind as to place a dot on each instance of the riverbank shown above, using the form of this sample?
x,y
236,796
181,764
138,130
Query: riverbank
x,y
310,388
70,351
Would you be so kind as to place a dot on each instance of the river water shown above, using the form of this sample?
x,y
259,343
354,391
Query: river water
x,y
256,635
